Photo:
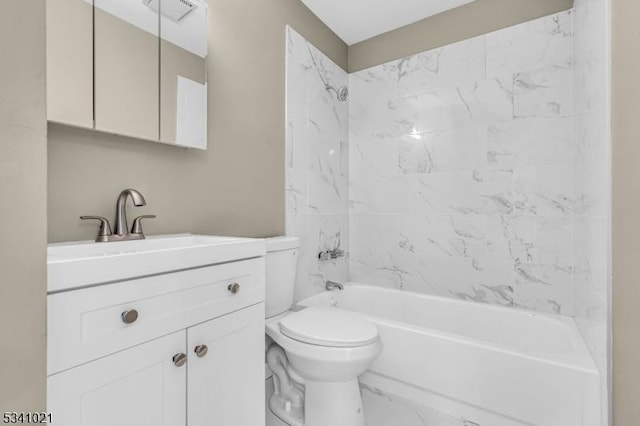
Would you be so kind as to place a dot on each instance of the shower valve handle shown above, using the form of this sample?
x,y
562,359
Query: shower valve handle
x,y
330,254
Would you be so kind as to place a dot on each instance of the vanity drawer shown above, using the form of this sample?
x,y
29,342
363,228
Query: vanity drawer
x,y
87,324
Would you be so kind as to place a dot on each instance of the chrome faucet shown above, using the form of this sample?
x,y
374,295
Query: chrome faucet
x,y
332,285
121,227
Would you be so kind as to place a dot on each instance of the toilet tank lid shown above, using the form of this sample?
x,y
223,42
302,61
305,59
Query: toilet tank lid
x,y
281,243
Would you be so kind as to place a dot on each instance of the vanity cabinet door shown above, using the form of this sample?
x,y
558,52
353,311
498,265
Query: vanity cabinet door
x,y
226,380
70,62
140,386
126,81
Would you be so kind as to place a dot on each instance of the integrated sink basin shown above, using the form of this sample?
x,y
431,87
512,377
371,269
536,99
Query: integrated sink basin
x,y
86,263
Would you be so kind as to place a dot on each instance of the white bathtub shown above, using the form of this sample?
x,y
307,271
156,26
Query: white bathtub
x,y
489,365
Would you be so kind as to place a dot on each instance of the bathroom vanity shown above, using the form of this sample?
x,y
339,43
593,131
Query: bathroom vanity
x,y
162,331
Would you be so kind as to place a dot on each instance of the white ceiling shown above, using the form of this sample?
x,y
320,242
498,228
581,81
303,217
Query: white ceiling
x,y
357,20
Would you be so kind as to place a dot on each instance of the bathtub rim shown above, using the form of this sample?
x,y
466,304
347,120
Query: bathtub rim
x,y
580,358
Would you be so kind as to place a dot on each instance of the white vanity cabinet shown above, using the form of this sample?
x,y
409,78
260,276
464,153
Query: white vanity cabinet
x,y
227,384
138,386
182,348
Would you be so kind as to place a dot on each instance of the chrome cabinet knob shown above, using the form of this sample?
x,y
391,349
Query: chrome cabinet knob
x,y
234,288
129,317
201,350
179,360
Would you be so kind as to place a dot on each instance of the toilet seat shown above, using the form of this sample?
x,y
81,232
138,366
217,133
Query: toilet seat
x,y
329,327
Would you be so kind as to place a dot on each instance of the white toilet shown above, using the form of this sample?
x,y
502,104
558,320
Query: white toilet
x,y
318,352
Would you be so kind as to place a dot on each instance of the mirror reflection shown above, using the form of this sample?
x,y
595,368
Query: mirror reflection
x,y
183,72
126,68
150,70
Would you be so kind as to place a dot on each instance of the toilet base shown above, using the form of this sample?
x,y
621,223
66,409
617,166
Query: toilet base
x,y
291,415
333,404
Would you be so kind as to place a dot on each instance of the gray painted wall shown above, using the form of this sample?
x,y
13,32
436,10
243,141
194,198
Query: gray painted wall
x,y
470,20
626,205
23,221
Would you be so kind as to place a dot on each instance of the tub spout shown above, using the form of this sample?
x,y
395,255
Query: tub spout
x,y
332,285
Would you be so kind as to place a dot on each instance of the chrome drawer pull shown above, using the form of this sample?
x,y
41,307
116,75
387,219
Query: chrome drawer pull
x,y
234,288
129,317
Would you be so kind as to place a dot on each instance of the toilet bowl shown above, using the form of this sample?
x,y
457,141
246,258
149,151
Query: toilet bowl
x,y
326,350
317,354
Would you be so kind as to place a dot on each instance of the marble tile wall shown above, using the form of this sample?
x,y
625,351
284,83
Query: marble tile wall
x,y
592,179
316,149
461,169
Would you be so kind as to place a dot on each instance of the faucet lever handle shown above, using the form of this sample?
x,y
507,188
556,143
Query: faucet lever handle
x,y
136,228
105,228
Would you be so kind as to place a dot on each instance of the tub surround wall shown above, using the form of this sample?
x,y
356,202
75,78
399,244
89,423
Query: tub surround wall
x,y
464,180
460,169
592,178
316,163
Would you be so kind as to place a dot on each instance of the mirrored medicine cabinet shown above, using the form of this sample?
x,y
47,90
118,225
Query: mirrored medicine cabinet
x,y
129,67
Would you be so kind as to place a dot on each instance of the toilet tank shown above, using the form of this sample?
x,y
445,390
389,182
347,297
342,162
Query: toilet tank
x,y
281,264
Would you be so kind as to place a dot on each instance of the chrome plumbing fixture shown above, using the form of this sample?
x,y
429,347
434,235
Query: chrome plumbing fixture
x,y
121,227
342,93
332,285
330,254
